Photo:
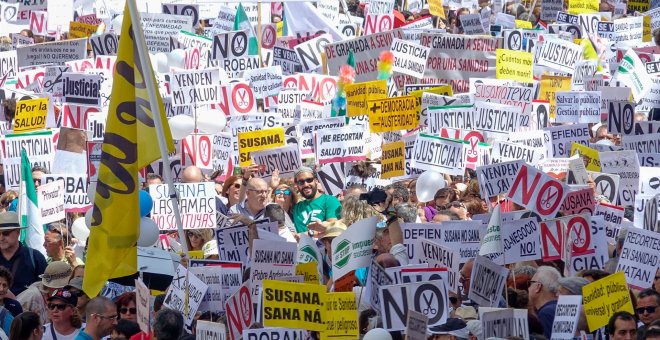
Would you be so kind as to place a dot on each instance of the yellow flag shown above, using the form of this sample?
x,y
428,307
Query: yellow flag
x,y
129,144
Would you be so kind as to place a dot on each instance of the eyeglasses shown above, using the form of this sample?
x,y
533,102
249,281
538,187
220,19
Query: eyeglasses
x,y
193,234
649,309
657,277
6,233
302,182
111,317
237,185
283,191
37,181
259,192
125,310
59,307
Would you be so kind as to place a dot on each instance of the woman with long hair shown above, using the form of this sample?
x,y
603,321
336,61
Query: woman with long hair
x,y
285,196
196,238
231,190
65,321
26,326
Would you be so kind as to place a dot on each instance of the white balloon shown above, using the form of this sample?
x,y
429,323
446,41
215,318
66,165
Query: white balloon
x,y
148,232
161,61
377,334
79,229
88,217
428,184
211,121
176,58
181,126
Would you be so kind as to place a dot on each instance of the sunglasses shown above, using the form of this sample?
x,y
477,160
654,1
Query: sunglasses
x,y
237,185
455,204
59,307
191,234
125,310
283,191
650,309
302,182
6,233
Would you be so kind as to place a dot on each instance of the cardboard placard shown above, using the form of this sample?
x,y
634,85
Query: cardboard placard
x,y
294,305
31,115
438,154
346,144
75,194
196,203
605,297
185,294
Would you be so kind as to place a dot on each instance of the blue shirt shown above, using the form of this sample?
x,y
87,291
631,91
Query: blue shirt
x,y
26,265
83,336
546,315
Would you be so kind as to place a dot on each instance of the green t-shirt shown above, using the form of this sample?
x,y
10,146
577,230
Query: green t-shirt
x,y
318,209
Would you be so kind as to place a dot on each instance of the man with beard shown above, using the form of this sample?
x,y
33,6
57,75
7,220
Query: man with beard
x,y
316,207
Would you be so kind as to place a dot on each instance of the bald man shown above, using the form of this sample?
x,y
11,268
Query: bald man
x,y
193,174
257,193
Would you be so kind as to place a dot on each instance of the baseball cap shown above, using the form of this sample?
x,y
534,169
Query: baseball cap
x,y
65,295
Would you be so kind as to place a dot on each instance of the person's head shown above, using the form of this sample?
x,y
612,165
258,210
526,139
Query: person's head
x,y
475,206
231,189
56,275
26,326
256,193
62,308
78,271
652,334
124,330
648,306
464,276
594,274
458,208
354,190
284,196
601,134
196,238
101,315
399,193
153,178
622,326
307,183
5,281
444,196
38,173
10,230
407,212
56,239
126,308
544,286
192,174
75,287
412,189
354,209
168,324
275,213
158,302
571,285
445,215
335,229
6,198
382,242
387,260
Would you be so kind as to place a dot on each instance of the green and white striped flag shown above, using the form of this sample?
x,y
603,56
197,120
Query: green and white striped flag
x,y
29,208
242,22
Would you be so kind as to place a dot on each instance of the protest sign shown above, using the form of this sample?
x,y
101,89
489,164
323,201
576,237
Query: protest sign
x,y
142,299
269,261
309,272
506,152
625,164
285,159
378,23
578,202
520,240
416,325
75,190
589,155
190,10
409,58
159,27
578,107
288,104
563,61
514,65
639,257
81,30
567,315
439,256
391,114
56,52
352,249
378,278
196,204
273,333
185,294
346,144
438,154
393,160
548,88
499,91
366,51
8,64
230,45
492,118
195,87
605,297
309,52
240,311
51,201
196,149
451,116
265,81
256,141
30,115
460,236
358,94
497,178
472,24
643,144
208,330
562,138
632,73
104,44
294,305
39,148
81,89
538,192
214,277
341,316
487,281
606,185
429,298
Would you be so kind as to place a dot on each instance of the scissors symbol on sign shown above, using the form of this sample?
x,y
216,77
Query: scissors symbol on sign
x,y
429,307
546,202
